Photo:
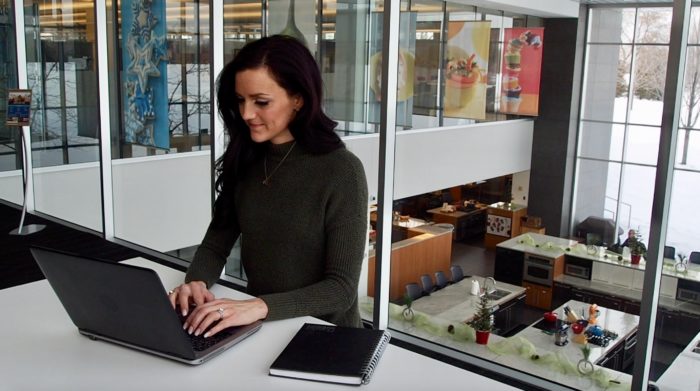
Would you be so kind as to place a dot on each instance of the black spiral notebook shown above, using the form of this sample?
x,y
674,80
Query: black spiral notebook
x,y
331,354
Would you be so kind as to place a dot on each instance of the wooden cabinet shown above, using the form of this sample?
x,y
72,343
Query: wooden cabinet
x,y
502,223
539,296
412,257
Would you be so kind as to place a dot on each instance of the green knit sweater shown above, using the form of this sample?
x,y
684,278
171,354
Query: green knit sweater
x,y
302,236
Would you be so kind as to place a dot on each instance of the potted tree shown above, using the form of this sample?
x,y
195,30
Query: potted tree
x,y
637,248
482,322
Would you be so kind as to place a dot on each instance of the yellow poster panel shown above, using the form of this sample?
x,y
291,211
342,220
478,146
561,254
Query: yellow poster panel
x,y
466,68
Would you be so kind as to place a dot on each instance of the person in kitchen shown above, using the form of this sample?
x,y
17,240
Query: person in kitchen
x,y
631,235
292,192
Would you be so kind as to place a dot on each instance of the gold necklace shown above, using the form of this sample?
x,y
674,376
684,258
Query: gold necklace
x,y
266,181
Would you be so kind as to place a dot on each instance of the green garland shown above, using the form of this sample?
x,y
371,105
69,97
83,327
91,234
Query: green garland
x,y
514,346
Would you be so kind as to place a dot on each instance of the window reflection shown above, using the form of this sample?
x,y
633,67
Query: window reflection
x,y
62,75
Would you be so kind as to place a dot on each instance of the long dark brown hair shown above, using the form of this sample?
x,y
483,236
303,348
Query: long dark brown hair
x,y
293,67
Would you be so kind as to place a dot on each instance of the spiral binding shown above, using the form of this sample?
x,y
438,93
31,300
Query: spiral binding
x,y
369,366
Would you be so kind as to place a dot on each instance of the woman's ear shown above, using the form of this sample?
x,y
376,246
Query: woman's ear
x,y
298,102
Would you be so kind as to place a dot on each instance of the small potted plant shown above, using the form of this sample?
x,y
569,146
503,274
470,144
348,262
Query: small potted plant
x,y
482,322
408,311
637,248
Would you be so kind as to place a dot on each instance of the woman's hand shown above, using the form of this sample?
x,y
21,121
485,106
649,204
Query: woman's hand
x,y
227,312
194,292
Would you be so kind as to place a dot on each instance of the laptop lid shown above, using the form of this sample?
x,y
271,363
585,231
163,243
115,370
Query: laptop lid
x,y
124,304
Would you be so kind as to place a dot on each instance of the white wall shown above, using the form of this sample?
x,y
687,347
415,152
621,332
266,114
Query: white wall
x,y
70,192
11,186
433,159
521,186
162,202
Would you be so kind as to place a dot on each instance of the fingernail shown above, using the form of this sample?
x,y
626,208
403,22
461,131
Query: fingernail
x,y
184,326
206,335
190,330
184,312
196,333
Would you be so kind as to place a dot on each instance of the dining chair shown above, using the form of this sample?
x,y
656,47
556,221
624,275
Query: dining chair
x,y
427,282
694,257
440,280
457,273
669,252
413,291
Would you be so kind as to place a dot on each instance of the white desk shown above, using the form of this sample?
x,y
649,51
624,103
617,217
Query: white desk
x,y
42,350
683,374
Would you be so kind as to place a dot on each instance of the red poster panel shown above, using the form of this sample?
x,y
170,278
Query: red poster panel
x,y
522,63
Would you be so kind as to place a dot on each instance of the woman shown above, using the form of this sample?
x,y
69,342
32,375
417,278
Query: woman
x,y
290,189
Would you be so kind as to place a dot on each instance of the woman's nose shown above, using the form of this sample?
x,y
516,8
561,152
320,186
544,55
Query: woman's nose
x,y
247,111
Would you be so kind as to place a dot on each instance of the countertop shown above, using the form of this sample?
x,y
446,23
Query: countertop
x,y
683,373
428,231
627,293
554,247
622,323
521,364
455,302
507,206
538,244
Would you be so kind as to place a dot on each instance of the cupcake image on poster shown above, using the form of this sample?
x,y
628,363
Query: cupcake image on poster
x,y
521,71
466,69
463,76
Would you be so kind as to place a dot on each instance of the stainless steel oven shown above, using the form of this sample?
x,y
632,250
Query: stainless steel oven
x,y
539,270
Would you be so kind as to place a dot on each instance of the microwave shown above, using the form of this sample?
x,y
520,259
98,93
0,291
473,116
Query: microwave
x,y
577,267
688,291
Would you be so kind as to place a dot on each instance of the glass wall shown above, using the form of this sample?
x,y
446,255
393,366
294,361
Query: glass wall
x,y
161,65
623,103
62,74
10,143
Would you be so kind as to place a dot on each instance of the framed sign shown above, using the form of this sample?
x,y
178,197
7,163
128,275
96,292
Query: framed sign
x,y
18,104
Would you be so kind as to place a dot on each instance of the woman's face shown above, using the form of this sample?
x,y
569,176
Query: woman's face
x,y
266,107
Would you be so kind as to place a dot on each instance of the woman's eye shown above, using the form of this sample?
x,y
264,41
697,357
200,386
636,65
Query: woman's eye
x,y
261,102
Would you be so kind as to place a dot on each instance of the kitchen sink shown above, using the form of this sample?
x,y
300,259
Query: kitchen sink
x,y
497,294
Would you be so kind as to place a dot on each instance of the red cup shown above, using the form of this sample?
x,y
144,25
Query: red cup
x,y
550,316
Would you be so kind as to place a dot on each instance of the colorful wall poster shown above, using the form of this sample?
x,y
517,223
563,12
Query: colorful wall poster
x,y
522,63
144,56
18,107
498,225
466,69
406,74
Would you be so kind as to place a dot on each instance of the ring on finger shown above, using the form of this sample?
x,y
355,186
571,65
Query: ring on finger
x,y
221,313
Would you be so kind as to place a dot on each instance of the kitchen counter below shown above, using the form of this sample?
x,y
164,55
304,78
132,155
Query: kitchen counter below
x,y
524,365
538,244
622,323
632,294
455,302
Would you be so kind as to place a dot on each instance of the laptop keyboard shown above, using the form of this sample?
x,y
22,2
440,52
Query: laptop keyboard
x,y
199,343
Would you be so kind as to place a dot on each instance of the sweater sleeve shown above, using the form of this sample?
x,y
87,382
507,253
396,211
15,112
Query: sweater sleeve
x,y
334,297
210,257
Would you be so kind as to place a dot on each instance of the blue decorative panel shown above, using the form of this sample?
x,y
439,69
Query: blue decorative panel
x,y
144,81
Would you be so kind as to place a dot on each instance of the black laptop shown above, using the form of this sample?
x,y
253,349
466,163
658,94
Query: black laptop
x,y
128,305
